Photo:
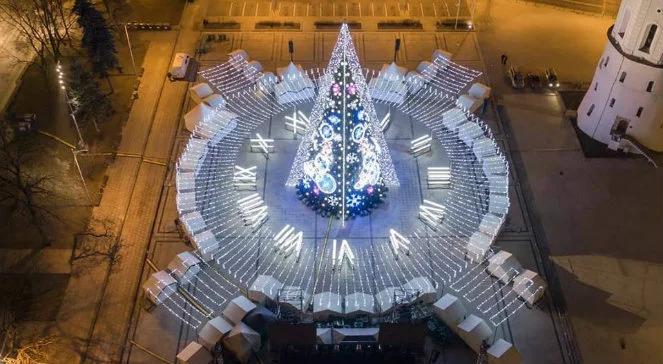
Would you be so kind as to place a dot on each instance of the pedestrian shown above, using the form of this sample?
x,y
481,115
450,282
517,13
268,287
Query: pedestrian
x,y
504,59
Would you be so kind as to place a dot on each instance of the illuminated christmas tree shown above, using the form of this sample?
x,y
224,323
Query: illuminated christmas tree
x,y
343,166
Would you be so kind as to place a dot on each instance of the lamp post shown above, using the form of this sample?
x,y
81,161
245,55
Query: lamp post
x,y
63,86
131,52
82,146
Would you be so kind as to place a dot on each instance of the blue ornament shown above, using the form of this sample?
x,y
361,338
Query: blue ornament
x,y
327,183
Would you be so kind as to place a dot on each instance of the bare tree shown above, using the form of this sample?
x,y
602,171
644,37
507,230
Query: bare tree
x,y
23,191
44,24
99,241
30,352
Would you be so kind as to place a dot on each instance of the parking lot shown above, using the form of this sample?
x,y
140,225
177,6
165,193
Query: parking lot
x,y
414,9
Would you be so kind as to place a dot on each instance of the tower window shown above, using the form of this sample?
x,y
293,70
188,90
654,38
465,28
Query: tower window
x,y
624,24
596,86
612,102
649,38
639,112
622,77
650,86
607,59
591,110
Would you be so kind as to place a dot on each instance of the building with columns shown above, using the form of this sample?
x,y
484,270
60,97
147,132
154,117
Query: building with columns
x,y
625,99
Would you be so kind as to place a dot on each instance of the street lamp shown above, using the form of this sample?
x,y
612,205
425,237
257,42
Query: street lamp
x,y
61,77
131,52
82,146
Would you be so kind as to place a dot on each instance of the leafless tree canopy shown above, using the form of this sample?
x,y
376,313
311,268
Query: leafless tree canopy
x,y
44,24
25,193
98,242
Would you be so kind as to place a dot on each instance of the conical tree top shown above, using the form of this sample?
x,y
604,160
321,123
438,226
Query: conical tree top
x,y
344,50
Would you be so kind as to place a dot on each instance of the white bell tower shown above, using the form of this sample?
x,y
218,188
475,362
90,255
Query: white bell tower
x,y
626,94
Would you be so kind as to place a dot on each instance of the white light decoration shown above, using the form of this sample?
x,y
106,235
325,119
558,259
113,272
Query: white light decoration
x,y
245,178
287,242
398,243
421,145
344,254
385,122
431,213
253,210
262,145
438,177
211,169
298,123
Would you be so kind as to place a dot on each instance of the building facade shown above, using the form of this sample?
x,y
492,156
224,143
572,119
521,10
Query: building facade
x,y
625,97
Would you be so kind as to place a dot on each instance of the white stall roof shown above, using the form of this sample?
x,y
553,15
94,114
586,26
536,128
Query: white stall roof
x,y
468,132
503,266
199,113
358,303
200,91
214,101
474,330
193,223
293,298
483,147
424,286
494,165
490,224
194,353
213,331
454,118
185,181
469,103
385,298
265,287
442,57
159,286
185,201
424,67
195,152
450,310
184,266
295,85
252,70
216,126
415,81
498,204
324,335
498,184
503,352
290,72
392,71
238,55
266,81
206,244
238,308
529,286
479,91
326,304
242,341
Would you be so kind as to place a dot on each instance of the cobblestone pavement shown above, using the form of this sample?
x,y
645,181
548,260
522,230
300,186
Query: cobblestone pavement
x,y
99,308
151,330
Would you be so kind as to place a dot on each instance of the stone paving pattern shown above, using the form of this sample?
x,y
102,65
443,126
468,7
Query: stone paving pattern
x,y
599,219
270,52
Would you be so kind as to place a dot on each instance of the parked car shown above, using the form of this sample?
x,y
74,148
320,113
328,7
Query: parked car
x,y
179,66
26,122
516,77
551,78
534,80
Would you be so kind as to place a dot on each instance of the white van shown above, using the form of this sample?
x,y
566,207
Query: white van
x,y
179,66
